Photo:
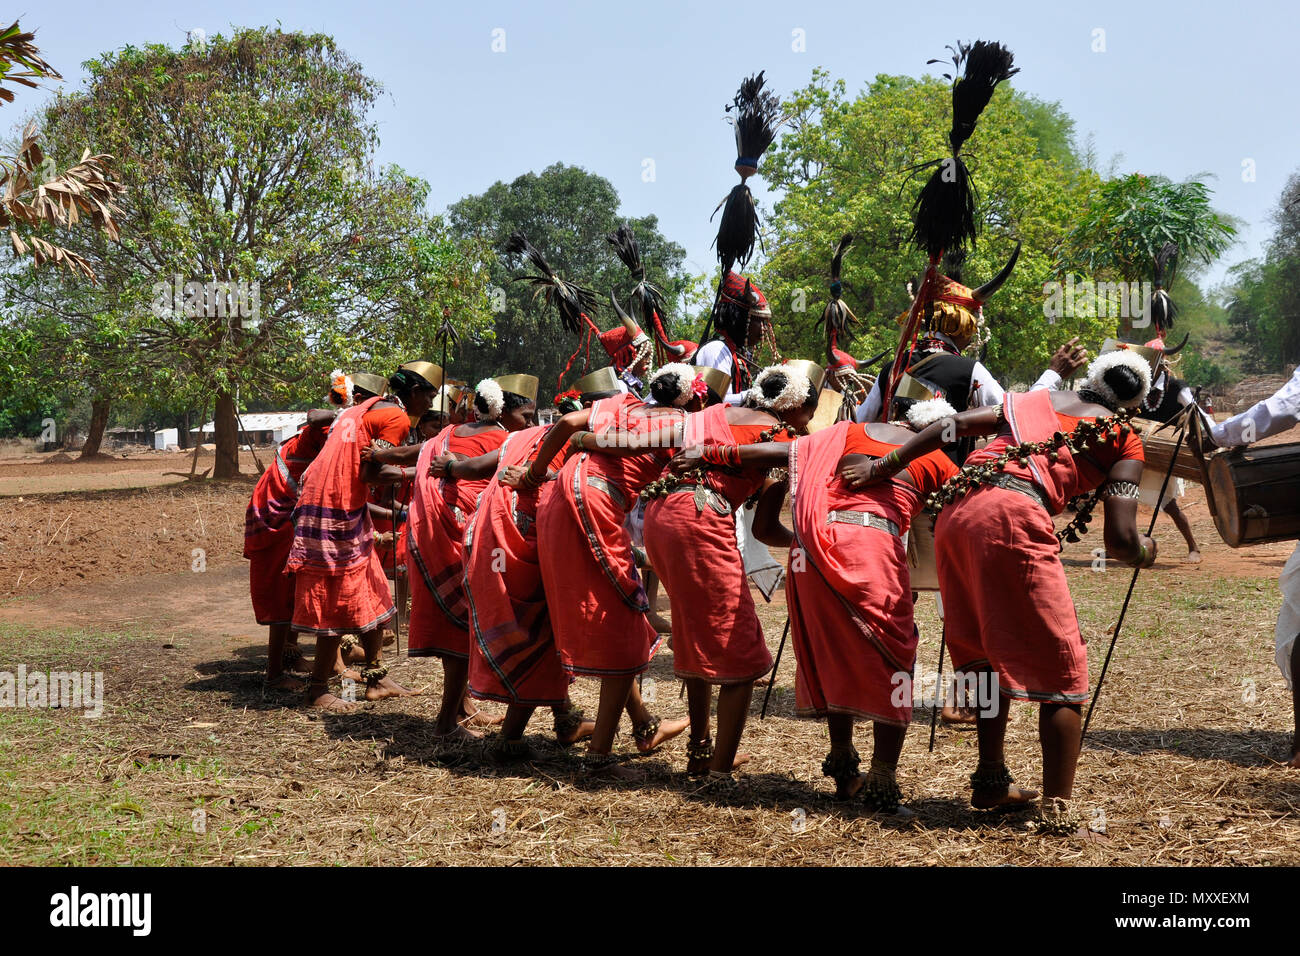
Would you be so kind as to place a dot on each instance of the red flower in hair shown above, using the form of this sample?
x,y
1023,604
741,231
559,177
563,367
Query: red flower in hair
x,y
698,388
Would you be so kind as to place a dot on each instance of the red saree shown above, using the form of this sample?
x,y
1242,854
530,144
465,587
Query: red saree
x,y
847,591
690,537
268,525
1006,601
597,603
440,510
340,587
512,655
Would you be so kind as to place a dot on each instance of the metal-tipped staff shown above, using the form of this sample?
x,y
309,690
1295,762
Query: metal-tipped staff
x,y
934,713
397,587
781,647
1182,431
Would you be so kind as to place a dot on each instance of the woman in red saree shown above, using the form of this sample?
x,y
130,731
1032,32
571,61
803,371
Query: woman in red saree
x,y
596,600
268,536
339,587
848,593
1009,613
441,508
690,536
512,656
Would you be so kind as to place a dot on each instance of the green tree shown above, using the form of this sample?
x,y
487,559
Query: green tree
x,y
566,212
1129,219
843,168
260,243
1264,293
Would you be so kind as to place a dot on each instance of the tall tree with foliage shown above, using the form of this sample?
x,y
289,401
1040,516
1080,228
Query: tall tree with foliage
x,y
844,168
1264,304
566,212
259,241
1129,219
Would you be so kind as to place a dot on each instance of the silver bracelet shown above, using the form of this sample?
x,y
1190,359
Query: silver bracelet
x,y
1119,489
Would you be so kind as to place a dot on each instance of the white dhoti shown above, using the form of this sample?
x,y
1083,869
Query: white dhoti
x,y
1288,619
1149,489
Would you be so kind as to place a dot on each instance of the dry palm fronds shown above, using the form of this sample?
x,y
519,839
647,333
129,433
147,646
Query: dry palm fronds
x,y
18,50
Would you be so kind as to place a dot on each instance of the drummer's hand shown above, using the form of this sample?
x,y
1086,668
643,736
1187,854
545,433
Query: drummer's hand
x,y
1069,358
367,453
438,466
1150,544
688,459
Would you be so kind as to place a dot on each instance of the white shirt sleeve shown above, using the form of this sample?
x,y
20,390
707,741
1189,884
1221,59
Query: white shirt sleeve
x,y
984,388
1277,413
869,410
1049,379
715,354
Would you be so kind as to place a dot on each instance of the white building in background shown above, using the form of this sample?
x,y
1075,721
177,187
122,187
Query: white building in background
x,y
164,437
260,428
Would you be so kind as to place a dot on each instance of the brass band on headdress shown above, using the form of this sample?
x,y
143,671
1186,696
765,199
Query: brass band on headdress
x,y
525,385
446,400
426,370
374,384
815,374
1150,355
602,380
715,379
914,389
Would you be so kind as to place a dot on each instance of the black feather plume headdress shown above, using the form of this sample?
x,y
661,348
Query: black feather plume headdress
x,y
837,317
647,299
574,303
944,216
1162,308
758,116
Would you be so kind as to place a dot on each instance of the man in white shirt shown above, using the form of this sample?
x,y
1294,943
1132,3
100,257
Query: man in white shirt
x,y
1277,413
984,390
739,318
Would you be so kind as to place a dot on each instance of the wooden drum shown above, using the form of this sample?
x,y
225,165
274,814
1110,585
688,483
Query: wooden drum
x,y
1254,493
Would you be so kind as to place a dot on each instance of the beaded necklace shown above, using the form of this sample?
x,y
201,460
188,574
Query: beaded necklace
x,y
1086,433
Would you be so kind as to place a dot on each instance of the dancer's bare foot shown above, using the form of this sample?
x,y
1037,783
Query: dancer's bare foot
x,y
660,623
958,715
319,698
1010,797
582,731
1294,762
481,718
1193,557
390,638
387,687
356,654
695,766
668,729
347,673
849,789
293,659
285,681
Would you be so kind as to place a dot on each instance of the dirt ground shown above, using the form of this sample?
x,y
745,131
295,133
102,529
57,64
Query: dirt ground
x,y
191,763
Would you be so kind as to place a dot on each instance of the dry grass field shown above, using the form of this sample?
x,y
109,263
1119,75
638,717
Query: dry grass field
x,y
1181,767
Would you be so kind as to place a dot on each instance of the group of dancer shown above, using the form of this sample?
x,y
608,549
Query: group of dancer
x,y
528,548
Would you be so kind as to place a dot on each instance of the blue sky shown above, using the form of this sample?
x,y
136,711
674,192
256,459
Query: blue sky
x,y
1180,89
